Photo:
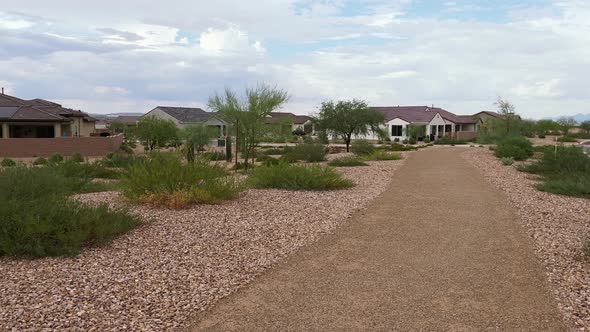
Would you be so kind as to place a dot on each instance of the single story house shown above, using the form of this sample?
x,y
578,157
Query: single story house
x,y
436,121
39,118
186,116
290,121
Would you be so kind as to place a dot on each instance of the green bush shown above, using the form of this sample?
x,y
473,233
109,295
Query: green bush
x,y
362,147
8,163
40,161
449,141
541,136
565,171
310,152
164,180
214,156
71,168
56,158
507,161
382,155
119,160
37,219
412,140
517,147
267,160
397,147
567,139
76,157
298,177
347,162
273,151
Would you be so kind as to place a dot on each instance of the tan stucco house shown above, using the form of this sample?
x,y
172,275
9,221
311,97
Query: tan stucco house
x,y
39,118
185,116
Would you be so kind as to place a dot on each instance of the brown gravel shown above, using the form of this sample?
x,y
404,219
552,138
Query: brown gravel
x,y
160,275
558,225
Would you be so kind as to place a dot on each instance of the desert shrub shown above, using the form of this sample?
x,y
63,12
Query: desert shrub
x,y
119,160
298,177
566,139
517,147
542,136
382,155
76,157
397,147
74,169
405,141
267,160
449,141
426,139
412,140
272,151
507,161
396,140
164,180
574,184
347,162
362,147
310,152
55,158
7,162
40,161
37,219
564,159
214,156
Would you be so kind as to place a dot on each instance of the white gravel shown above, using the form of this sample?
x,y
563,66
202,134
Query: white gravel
x,y
158,276
558,225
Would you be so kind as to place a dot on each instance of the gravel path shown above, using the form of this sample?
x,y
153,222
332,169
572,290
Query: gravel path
x,y
160,275
440,250
558,225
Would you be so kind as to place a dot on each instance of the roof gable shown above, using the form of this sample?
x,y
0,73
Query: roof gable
x,y
187,114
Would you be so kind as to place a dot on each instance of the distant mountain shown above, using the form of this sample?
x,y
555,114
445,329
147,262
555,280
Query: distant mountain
x,y
578,117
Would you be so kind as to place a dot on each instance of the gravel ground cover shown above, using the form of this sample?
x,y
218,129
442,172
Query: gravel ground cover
x,y
558,225
159,275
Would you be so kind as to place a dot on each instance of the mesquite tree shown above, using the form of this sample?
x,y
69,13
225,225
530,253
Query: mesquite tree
x,y
348,118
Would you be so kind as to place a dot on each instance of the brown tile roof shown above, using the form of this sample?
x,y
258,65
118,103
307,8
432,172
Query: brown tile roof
x,y
127,119
420,114
276,117
29,113
39,110
187,114
301,119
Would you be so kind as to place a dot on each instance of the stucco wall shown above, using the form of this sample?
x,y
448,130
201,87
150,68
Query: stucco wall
x,y
44,147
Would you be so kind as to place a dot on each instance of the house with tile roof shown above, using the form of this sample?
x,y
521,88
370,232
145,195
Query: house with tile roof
x,y
292,121
186,116
437,122
39,118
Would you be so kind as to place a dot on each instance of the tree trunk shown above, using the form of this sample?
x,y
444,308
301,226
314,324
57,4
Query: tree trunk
x,y
347,141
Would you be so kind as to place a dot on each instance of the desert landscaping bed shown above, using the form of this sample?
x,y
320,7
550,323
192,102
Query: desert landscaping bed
x,y
558,225
160,275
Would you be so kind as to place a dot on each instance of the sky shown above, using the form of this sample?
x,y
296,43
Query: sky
x,y
113,56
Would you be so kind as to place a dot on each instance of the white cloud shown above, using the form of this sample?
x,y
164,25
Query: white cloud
x,y
543,89
110,90
229,40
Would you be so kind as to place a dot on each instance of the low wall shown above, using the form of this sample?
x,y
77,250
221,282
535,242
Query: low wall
x,y
66,146
465,135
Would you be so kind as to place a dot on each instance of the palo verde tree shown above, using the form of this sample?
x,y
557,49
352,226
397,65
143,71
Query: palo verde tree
x,y
155,133
585,126
566,123
247,116
196,137
347,118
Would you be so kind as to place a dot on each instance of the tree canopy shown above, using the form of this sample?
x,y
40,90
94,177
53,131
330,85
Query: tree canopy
x,y
247,116
154,132
346,118
196,137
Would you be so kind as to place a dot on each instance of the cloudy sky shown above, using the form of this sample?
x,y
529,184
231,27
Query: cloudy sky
x,y
129,56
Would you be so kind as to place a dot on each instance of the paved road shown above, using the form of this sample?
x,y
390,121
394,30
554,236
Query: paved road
x,y
440,250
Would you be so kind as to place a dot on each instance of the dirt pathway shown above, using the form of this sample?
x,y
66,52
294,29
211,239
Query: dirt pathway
x,y
439,251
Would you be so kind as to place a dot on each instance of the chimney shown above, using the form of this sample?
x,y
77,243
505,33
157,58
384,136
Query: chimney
x,y
2,90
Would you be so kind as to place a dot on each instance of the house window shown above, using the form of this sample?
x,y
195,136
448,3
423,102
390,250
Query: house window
x,y
396,130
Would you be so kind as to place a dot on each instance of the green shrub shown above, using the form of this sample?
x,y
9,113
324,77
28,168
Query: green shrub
x,y
382,155
273,151
164,180
298,177
214,156
8,163
267,160
37,219
426,139
347,162
449,141
541,136
56,158
71,168
362,147
310,152
412,140
119,160
397,147
40,161
507,161
574,184
567,139
517,147
76,157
